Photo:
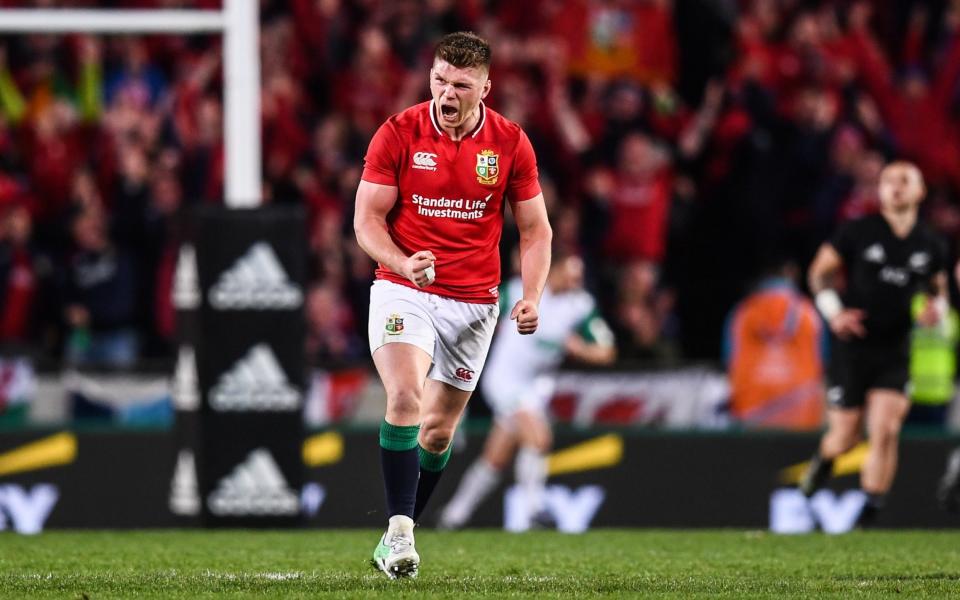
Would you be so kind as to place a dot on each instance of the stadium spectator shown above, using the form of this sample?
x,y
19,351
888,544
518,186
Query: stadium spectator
x,y
157,257
18,280
773,349
862,198
917,104
136,81
933,367
100,297
331,330
635,199
644,315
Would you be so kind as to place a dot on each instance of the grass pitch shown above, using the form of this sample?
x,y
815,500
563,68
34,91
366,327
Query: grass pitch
x,y
480,564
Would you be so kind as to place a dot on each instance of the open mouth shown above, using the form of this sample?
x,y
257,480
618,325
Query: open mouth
x,y
449,113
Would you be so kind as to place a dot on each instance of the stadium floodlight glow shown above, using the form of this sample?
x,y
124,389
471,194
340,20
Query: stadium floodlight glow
x,y
239,24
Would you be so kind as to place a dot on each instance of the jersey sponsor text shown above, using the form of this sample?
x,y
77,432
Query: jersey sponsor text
x,y
450,208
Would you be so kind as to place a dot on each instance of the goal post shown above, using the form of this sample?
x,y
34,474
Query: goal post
x,y
238,22
238,387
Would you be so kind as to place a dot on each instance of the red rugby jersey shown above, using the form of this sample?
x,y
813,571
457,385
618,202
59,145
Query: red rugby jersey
x,y
450,197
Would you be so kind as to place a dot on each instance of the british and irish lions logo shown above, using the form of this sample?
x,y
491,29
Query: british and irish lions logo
x,y
394,324
488,167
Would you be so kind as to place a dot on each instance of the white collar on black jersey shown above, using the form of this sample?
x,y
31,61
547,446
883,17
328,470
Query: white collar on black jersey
x,y
436,124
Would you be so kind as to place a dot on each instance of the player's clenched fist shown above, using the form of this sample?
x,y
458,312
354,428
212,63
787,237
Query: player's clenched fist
x,y
418,268
527,316
849,324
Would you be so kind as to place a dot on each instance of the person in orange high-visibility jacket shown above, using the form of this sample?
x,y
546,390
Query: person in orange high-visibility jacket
x,y
773,347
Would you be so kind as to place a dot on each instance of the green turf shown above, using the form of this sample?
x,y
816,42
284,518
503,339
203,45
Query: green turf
x,y
490,564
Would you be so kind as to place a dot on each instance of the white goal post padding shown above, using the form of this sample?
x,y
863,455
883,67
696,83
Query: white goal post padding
x,y
239,24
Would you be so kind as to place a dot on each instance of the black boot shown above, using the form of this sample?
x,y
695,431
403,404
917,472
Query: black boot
x,y
871,509
817,474
948,491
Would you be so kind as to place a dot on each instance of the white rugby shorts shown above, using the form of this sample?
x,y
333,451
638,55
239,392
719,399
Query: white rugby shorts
x,y
506,395
455,334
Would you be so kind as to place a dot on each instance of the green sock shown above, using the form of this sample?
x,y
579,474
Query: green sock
x,y
431,468
398,437
433,462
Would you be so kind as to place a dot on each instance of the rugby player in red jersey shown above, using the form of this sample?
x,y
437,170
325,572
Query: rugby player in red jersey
x,y
430,210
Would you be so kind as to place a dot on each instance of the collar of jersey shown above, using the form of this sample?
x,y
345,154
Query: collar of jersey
x,y
476,130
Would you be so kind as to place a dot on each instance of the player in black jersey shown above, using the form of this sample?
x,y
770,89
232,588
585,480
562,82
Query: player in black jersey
x,y
886,259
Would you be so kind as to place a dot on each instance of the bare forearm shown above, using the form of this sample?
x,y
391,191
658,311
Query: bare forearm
x,y
938,295
938,285
596,354
373,237
535,262
820,280
826,265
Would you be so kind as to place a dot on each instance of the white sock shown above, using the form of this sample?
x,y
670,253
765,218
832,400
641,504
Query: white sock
x,y
477,483
531,474
400,524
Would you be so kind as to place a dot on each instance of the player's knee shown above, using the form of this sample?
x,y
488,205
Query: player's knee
x,y
886,432
850,441
436,439
532,430
841,436
404,402
545,443
497,462
542,441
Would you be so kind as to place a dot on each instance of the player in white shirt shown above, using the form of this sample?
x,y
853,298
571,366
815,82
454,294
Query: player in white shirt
x,y
518,382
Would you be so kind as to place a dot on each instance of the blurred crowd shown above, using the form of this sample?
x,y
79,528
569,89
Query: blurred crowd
x,y
683,148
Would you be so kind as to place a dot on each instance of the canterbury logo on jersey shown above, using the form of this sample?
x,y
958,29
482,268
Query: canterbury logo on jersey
x,y
254,487
255,383
256,281
425,161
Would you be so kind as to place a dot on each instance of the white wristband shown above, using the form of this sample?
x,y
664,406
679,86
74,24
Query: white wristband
x,y
829,303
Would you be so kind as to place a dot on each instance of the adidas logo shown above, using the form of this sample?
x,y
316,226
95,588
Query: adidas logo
x,y
186,392
257,280
256,382
254,487
184,494
875,254
186,289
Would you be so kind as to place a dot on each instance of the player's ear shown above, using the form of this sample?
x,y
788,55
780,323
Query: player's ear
x,y
486,89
